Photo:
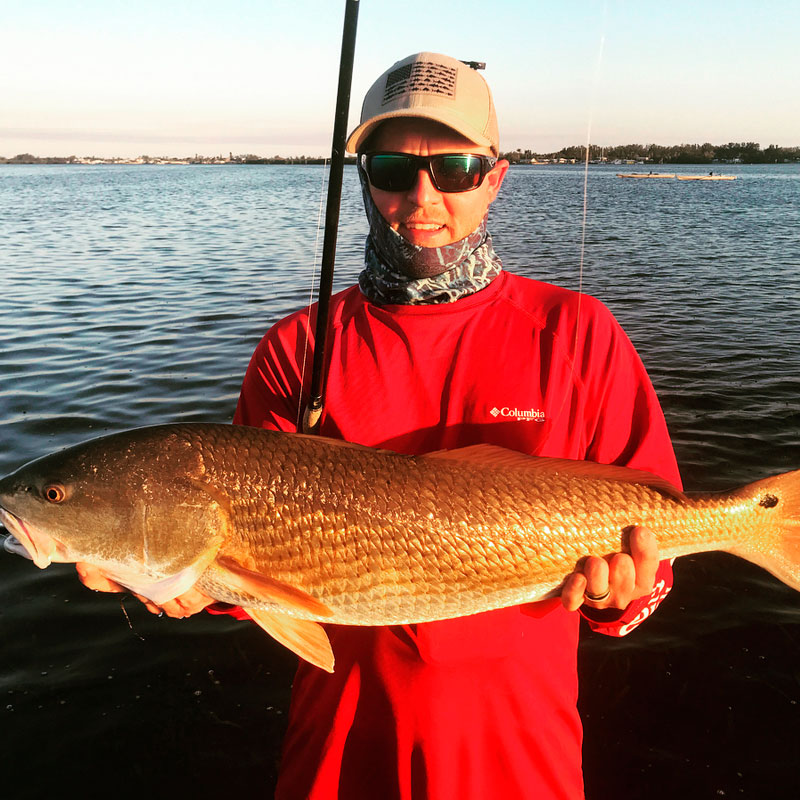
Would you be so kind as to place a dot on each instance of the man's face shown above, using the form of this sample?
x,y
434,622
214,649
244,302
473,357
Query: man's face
x,y
422,214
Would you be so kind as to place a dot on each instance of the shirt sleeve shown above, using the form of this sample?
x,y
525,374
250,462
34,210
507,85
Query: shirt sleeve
x,y
272,395
627,428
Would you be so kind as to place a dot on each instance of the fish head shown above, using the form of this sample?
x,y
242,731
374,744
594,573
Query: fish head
x,y
136,503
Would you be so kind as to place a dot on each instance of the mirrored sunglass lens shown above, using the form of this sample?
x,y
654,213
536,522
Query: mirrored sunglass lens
x,y
391,173
456,173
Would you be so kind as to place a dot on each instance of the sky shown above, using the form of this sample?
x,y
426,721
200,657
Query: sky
x,y
175,78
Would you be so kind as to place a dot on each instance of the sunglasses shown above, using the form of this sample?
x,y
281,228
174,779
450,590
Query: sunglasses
x,y
449,172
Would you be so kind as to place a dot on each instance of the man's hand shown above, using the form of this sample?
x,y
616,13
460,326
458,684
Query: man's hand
x,y
615,580
182,606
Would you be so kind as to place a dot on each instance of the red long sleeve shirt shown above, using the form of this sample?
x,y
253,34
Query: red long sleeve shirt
x,y
483,706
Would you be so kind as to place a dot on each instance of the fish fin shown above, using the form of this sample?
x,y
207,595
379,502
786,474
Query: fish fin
x,y
484,454
776,548
341,443
305,638
257,585
166,589
493,455
159,592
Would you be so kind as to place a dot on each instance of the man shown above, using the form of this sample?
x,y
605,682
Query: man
x,y
439,348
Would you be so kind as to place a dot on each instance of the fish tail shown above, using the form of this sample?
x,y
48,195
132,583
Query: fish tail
x,y
775,546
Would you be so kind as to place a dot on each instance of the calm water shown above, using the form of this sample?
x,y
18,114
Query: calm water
x,y
135,295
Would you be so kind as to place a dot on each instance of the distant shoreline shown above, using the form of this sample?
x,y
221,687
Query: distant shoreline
x,y
118,162
629,154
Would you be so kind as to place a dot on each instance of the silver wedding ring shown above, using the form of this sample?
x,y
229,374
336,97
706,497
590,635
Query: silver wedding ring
x,y
598,598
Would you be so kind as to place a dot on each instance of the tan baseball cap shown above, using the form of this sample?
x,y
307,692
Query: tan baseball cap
x,y
435,87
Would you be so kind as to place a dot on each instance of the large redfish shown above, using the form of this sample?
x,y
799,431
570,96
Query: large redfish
x,y
300,530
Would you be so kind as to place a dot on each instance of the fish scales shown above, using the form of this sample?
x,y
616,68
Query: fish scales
x,y
337,522
427,548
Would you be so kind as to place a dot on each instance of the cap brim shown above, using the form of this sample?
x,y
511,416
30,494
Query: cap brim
x,y
454,121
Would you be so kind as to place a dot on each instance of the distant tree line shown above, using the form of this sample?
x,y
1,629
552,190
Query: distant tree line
x,y
27,158
738,152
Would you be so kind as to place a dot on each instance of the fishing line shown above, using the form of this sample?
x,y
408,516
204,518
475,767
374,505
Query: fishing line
x,y
585,208
130,624
311,296
586,165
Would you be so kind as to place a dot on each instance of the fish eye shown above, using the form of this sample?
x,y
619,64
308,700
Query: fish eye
x,y
54,493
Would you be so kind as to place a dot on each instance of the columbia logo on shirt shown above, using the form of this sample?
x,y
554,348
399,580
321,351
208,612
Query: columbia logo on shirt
x,y
519,414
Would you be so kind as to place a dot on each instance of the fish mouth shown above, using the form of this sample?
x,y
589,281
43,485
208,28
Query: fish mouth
x,y
13,545
41,548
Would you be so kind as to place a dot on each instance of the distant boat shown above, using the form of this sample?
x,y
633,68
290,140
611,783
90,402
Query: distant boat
x,y
709,177
645,175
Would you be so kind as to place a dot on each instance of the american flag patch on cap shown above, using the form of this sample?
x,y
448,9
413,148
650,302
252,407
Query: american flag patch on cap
x,y
422,76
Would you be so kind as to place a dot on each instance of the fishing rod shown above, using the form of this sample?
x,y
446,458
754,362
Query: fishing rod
x,y
313,413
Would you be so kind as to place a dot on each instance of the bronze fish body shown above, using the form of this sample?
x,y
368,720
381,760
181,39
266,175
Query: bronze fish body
x,y
300,530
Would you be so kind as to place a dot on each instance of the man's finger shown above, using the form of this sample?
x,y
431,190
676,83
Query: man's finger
x,y
94,578
622,579
572,591
644,552
598,576
186,604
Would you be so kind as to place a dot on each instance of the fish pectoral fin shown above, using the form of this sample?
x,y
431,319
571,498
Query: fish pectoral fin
x,y
163,590
305,638
493,455
260,586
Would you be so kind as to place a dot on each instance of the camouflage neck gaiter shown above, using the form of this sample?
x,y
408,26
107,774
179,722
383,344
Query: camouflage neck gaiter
x,y
443,274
